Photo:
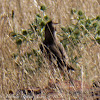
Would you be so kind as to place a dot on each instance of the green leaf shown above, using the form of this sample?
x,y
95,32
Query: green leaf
x,y
38,15
18,41
95,24
98,39
87,26
12,14
24,32
46,18
82,27
81,17
76,32
64,29
73,11
42,24
88,21
43,8
13,34
28,54
85,32
80,13
98,32
35,52
70,29
98,18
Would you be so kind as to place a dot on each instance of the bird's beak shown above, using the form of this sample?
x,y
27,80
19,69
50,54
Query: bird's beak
x,y
55,23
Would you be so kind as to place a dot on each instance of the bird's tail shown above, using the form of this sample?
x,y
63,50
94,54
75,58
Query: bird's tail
x,y
66,73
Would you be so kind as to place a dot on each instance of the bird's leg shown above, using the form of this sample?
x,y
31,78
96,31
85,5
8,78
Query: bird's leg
x,y
66,73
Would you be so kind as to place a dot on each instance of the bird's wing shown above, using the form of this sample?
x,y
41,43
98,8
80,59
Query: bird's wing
x,y
64,56
62,51
55,50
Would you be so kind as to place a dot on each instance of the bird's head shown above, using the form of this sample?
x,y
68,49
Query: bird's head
x,y
49,31
49,28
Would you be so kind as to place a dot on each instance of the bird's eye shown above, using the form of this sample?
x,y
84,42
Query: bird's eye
x,y
55,29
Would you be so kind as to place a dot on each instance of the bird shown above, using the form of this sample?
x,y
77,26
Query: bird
x,y
53,48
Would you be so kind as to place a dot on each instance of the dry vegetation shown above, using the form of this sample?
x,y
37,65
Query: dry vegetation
x,y
22,72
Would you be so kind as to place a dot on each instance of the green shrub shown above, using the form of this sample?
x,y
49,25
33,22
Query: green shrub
x,y
84,25
74,33
32,34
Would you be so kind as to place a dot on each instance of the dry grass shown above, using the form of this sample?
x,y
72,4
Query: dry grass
x,y
24,73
